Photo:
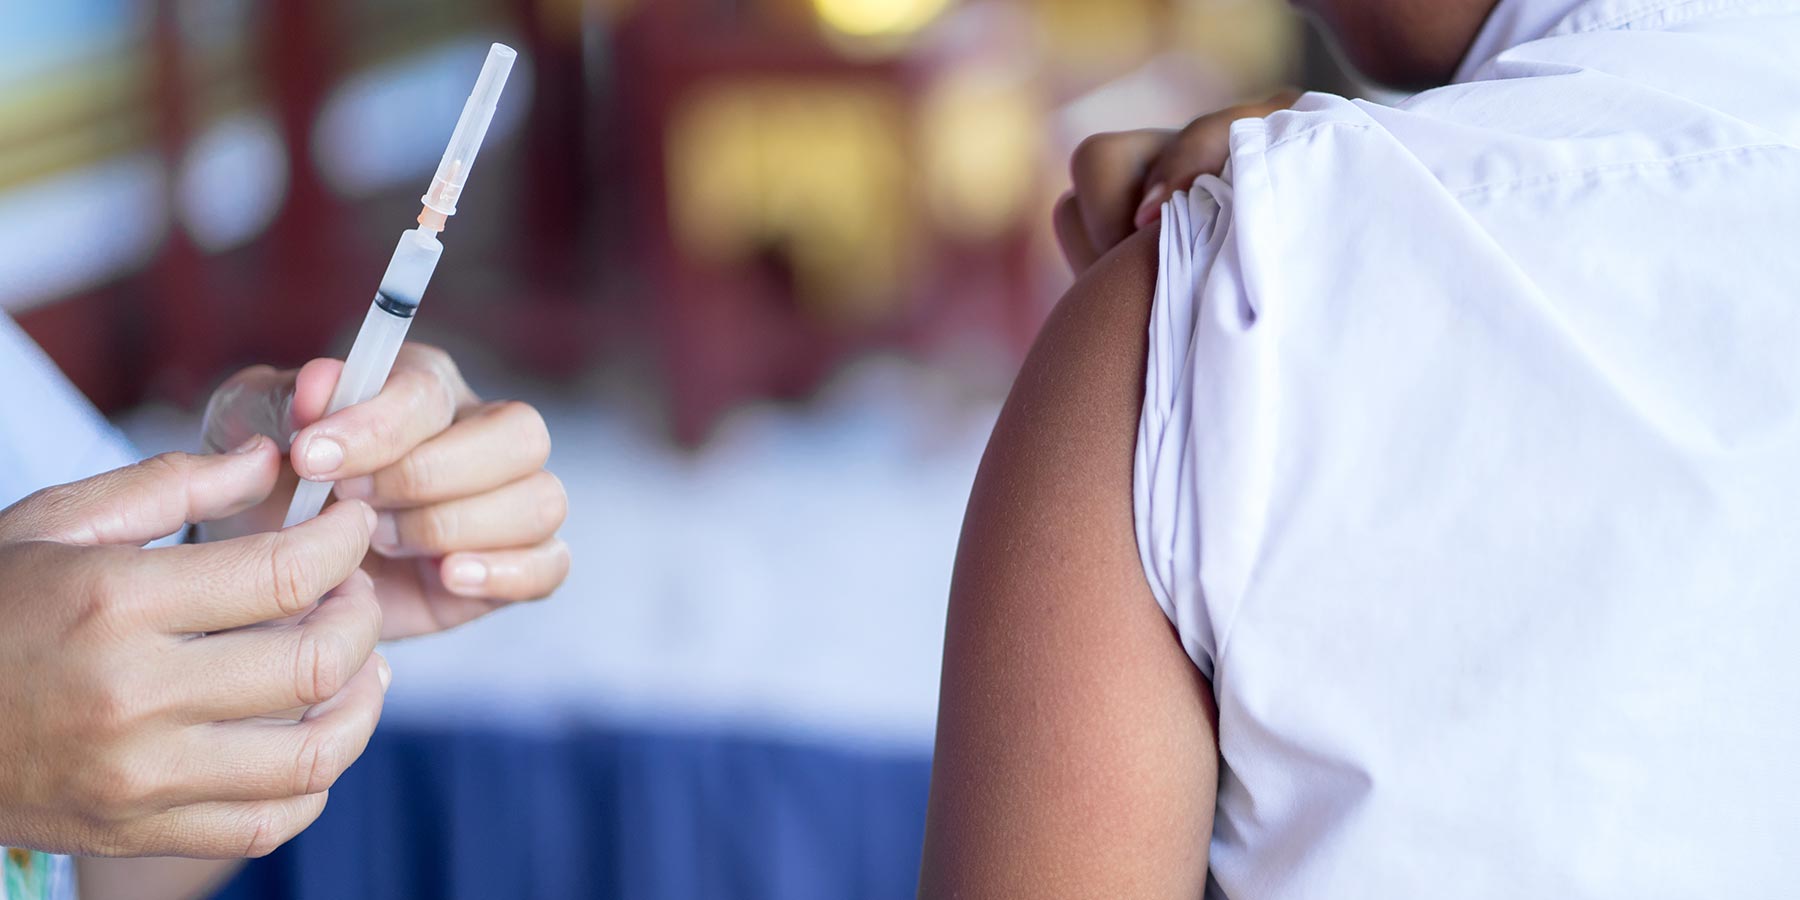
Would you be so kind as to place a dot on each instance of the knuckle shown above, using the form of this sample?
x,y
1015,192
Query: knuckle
x,y
358,594
111,791
446,367
414,477
107,598
113,709
1209,122
103,613
432,529
110,700
321,662
446,364
1192,148
173,464
380,433
1094,150
449,391
266,830
167,468
285,827
322,758
289,584
435,382
262,840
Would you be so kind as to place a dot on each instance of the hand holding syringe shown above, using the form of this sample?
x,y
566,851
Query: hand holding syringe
x,y
415,258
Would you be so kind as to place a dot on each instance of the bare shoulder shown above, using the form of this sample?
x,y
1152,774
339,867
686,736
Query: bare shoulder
x,y
1094,342
1074,408
1076,752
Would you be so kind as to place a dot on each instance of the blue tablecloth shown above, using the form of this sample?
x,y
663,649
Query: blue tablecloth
x,y
606,813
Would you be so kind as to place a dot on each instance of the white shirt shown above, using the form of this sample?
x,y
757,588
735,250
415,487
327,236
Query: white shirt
x,y
49,433
1469,468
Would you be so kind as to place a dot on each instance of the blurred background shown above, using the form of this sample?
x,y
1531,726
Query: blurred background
x,y
767,266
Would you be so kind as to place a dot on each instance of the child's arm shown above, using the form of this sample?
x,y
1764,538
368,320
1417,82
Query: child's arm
x,y
1076,748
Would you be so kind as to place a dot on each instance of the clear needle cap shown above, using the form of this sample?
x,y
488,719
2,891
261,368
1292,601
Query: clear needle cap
x,y
465,142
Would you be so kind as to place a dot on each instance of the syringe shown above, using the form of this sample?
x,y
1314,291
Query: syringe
x,y
384,328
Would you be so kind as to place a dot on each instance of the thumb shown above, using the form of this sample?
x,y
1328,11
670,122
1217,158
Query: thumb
x,y
140,503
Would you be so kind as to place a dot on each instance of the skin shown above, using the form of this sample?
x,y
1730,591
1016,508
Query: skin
x,y
1403,44
146,673
1123,178
1075,740
1077,751
466,513
129,742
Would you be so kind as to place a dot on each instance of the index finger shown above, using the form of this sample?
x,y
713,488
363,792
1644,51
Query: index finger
x,y
147,500
257,578
419,400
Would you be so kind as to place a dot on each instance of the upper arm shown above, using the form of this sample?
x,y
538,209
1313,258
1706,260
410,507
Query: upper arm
x,y
1076,748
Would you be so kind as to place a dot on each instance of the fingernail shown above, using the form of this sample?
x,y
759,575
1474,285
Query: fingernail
x,y
1149,210
370,519
467,572
384,672
356,488
385,535
248,446
323,456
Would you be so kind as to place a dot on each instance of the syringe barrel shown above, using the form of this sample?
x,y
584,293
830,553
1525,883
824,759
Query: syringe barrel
x,y
377,346
471,128
365,371
409,271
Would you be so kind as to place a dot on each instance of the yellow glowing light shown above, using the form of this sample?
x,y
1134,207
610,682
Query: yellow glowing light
x,y
879,18
1256,43
1085,36
813,172
979,132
